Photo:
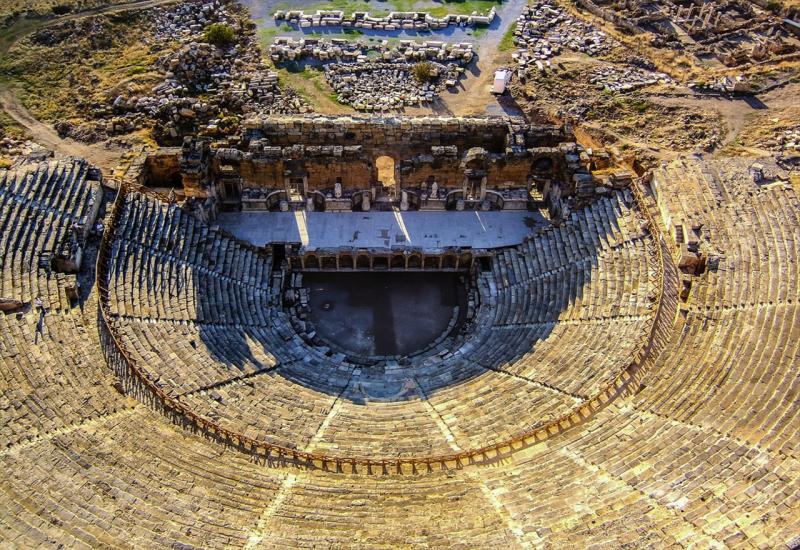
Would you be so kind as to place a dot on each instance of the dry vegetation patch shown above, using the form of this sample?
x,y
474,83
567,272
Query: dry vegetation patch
x,y
566,94
69,74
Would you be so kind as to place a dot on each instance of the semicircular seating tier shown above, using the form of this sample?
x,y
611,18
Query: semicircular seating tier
x,y
704,454
560,317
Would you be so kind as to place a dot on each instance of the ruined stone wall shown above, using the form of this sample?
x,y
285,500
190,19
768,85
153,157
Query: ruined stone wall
x,y
312,154
354,174
263,174
162,168
405,136
445,171
508,173
444,178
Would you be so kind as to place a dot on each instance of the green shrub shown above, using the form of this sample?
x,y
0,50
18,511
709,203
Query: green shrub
x,y
507,43
424,71
220,35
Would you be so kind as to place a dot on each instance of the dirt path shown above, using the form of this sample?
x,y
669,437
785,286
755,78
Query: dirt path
x,y
739,112
475,98
43,133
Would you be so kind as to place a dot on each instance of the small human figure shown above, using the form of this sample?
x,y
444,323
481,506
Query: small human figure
x,y
39,305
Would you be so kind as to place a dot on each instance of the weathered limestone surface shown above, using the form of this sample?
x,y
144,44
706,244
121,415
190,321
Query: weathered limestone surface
x,y
704,453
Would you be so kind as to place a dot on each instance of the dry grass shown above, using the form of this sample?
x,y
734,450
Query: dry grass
x,y
10,9
68,79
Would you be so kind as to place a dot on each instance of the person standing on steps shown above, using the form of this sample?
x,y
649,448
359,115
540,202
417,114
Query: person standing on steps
x,y
40,323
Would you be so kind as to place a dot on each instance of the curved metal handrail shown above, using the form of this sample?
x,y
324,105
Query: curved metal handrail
x,y
118,356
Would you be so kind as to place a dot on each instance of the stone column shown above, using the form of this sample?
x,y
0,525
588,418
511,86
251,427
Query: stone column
x,y
287,182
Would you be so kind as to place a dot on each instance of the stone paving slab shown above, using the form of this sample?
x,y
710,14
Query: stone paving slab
x,y
382,230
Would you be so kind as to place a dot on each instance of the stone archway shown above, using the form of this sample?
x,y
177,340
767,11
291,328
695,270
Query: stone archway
x,y
346,261
385,165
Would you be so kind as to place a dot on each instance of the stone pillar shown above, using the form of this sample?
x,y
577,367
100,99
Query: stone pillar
x,y
287,182
404,201
483,187
365,204
310,204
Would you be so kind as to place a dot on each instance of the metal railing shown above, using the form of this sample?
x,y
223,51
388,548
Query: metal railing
x,y
137,382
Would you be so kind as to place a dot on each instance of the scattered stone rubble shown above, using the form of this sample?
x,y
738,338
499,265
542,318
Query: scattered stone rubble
x,y
381,86
725,84
616,78
233,81
417,21
337,49
188,19
544,28
733,31
787,140
12,148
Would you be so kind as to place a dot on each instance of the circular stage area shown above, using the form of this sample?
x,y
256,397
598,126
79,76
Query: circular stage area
x,y
384,314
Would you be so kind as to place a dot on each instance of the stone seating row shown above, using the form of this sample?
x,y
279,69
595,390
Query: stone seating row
x,y
39,204
389,512
730,365
735,370
185,357
252,374
612,285
154,285
759,247
635,476
45,374
60,187
703,454
748,233
129,480
606,224
151,224
574,358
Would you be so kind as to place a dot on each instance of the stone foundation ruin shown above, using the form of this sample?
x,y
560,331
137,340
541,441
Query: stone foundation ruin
x,y
373,163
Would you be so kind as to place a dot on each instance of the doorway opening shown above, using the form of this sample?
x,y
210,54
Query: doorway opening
x,y
385,166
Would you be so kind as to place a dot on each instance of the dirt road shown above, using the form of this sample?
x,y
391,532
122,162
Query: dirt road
x,y
45,135
42,133
475,98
